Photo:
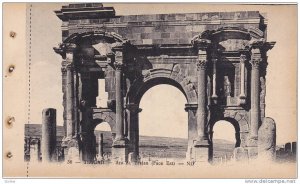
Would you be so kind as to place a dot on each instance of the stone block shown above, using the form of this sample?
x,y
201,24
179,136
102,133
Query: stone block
x,y
165,35
148,29
267,139
252,152
147,41
120,151
294,147
180,17
146,35
73,155
132,18
136,35
201,154
158,41
184,41
240,154
288,147
171,17
191,16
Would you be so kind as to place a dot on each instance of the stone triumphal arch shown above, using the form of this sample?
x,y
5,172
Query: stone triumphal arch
x,y
217,60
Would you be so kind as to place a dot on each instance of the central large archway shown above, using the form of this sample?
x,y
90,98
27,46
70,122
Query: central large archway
x,y
135,95
163,124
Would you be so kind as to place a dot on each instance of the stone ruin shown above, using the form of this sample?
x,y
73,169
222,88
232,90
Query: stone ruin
x,y
217,60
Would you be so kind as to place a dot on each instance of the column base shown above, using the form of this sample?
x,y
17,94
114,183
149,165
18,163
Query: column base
x,y
189,154
242,100
252,141
214,99
201,154
201,150
240,154
72,150
120,151
201,142
133,157
252,152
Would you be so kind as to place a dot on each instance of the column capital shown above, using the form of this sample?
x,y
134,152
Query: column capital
x,y
202,60
68,66
255,62
201,64
64,48
256,57
243,58
200,43
70,47
134,108
118,65
261,44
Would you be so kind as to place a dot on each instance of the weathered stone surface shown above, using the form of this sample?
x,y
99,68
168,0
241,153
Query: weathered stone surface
x,y
35,150
240,154
201,154
73,155
148,50
48,134
288,147
267,139
294,147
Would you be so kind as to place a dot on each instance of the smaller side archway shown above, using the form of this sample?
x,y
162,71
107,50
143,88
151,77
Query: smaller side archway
x,y
225,137
104,140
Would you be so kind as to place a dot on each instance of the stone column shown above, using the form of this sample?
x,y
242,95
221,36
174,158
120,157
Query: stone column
x,y
254,113
69,100
202,144
202,138
34,150
133,119
214,85
70,92
48,135
191,109
242,77
267,140
119,98
120,151
100,146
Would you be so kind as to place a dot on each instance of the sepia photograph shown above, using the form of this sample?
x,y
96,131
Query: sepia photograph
x,y
150,90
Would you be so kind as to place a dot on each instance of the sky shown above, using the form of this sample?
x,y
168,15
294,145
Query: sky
x,y
281,72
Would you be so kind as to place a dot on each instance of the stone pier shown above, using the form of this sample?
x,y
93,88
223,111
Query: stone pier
x,y
120,143
35,150
100,146
49,134
133,111
201,143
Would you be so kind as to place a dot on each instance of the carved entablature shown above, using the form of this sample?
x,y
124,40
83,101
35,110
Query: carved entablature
x,y
230,39
65,48
258,49
201,43
233,44
235,49
94,47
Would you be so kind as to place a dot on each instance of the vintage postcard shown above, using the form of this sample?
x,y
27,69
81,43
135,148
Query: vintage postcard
x,y
157,90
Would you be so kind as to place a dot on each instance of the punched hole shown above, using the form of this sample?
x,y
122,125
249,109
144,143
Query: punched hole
x,y
9,155
11,68
10,121
12,34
